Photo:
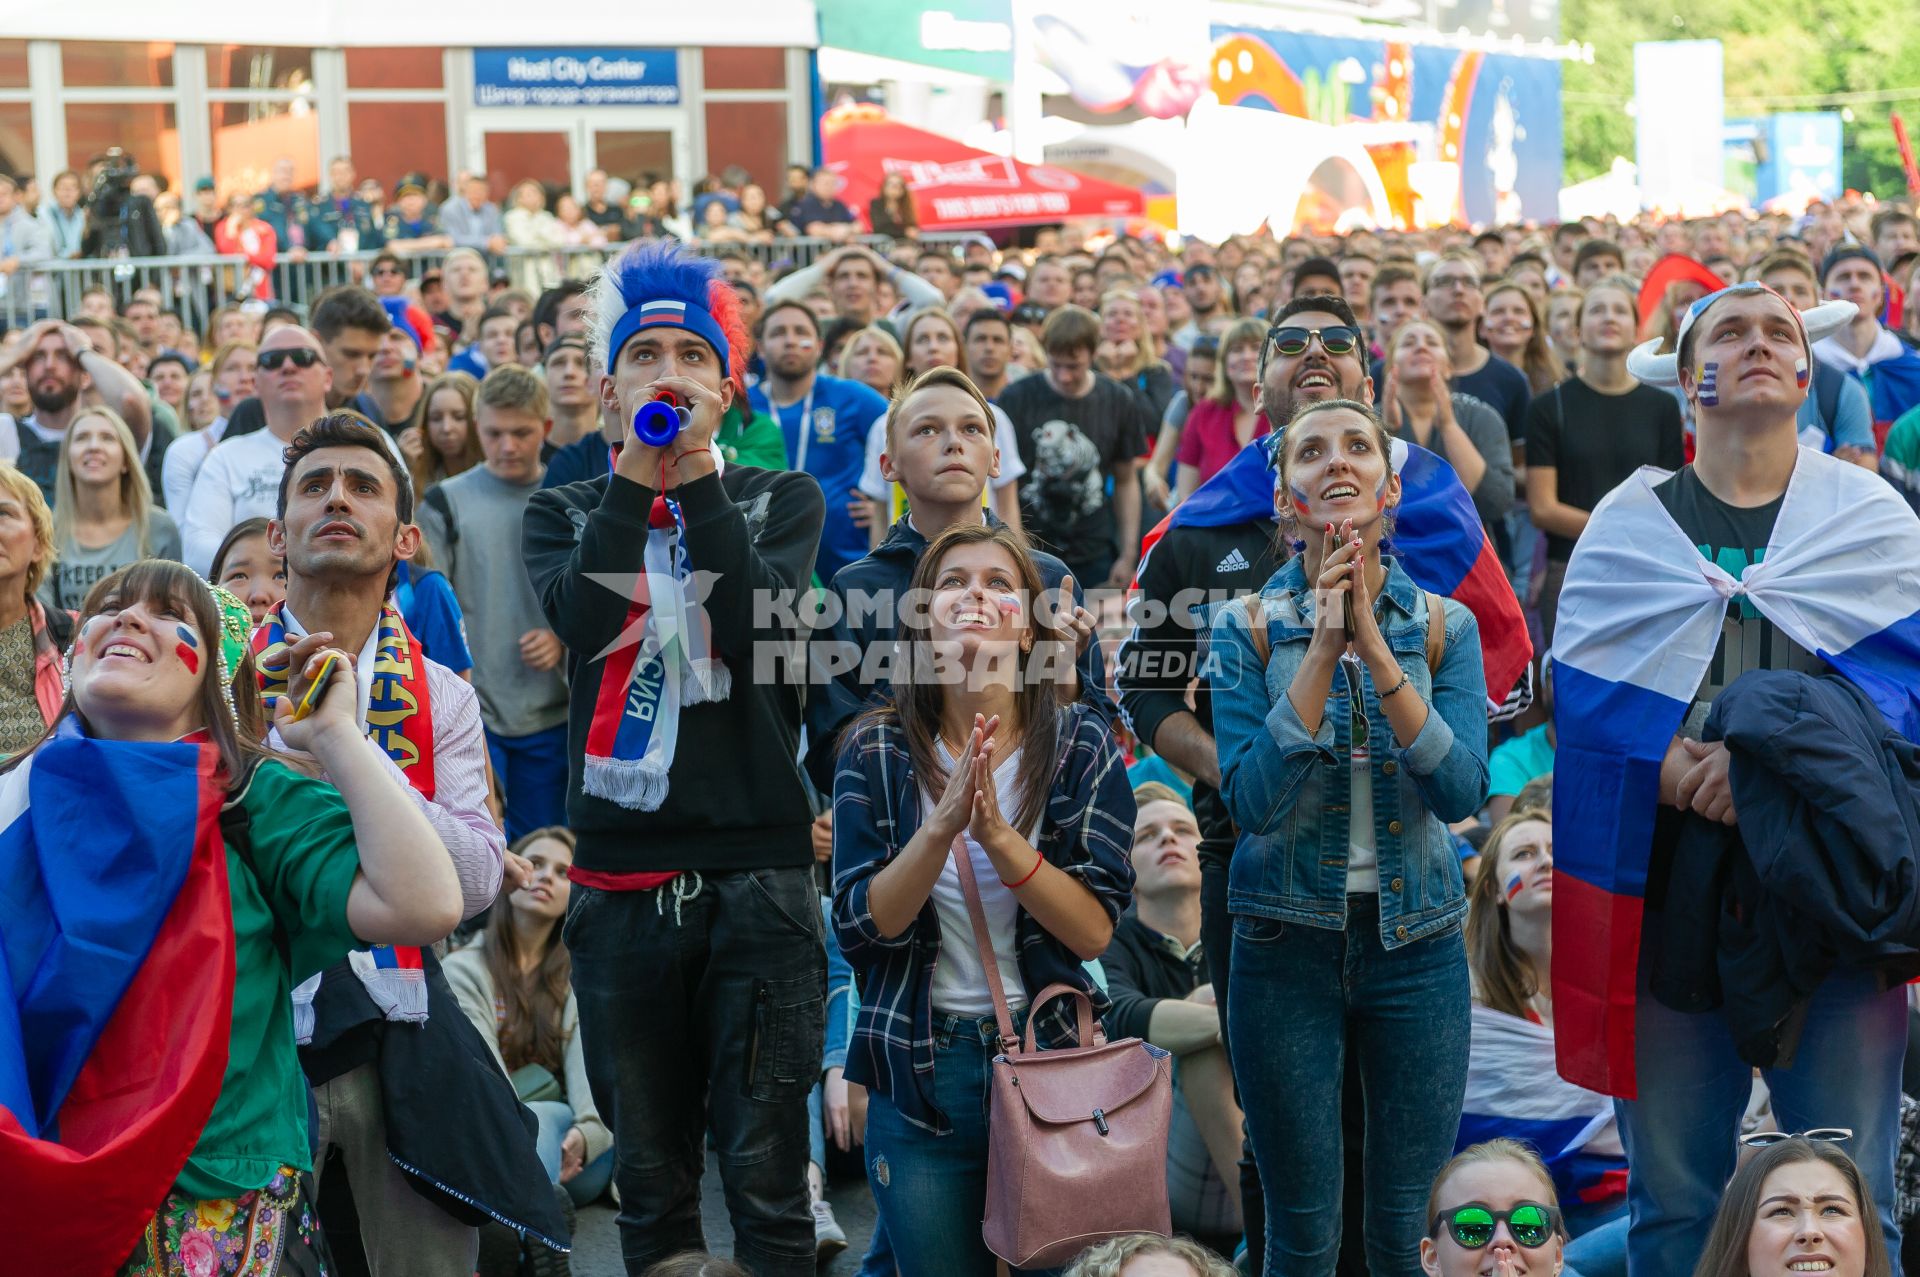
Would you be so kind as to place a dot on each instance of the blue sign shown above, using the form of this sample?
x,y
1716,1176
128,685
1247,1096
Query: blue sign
x,y
576,77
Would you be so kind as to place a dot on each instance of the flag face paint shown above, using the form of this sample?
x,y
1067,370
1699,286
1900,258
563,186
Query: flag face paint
x,y
1009,603
1801,374
1380,490
1515,885
187,649
1300,500
1709,381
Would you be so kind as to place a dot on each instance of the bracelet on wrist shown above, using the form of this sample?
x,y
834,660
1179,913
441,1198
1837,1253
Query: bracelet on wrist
x,y
1038,860
1405,679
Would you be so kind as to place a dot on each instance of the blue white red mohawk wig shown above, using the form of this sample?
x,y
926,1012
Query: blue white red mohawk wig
x,y
657,284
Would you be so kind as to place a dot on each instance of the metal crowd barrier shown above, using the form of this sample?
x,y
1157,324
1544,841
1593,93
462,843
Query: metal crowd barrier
x,y
195,287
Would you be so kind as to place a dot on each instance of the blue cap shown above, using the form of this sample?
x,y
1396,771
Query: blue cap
x,y
1167,279
999,294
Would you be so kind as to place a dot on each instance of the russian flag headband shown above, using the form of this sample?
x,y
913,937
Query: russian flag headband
x,y
663,313
1647,364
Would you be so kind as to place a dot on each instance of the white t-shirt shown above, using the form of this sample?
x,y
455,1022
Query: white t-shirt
x,y
1363,860
183,460
959,978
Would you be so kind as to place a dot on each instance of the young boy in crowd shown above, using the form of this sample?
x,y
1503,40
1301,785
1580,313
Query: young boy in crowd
x,y
493,347
472,521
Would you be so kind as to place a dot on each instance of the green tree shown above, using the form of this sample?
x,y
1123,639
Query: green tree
x,y
1783,55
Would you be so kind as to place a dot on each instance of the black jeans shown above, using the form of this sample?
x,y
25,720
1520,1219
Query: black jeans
x,y
702,1005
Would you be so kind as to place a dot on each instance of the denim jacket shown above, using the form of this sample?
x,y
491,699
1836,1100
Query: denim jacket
x,y
1288,791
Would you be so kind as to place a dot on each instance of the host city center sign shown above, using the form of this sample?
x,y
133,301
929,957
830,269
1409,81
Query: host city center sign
x,y
575,77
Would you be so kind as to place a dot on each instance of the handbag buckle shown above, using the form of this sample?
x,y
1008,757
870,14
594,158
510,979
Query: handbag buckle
x,y
1100,1121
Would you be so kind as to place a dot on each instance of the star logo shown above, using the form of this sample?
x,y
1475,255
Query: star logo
x,y
644,586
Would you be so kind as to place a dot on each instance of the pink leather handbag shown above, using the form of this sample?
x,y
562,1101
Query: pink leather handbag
x,y
1077,1137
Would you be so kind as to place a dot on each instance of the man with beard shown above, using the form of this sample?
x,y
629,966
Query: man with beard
x,y
64,374
342,514
1206,301
825,422
1160,658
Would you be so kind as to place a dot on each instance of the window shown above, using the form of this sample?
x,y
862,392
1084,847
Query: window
x,y
752,135
387,139
105,64
13,64
255,66
394,69
146,130
16,143
248,137
745,68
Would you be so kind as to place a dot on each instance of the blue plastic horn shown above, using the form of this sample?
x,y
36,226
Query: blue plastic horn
x,y
657,421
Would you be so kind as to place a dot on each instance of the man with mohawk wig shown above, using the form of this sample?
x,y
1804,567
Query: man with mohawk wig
x,y
695,929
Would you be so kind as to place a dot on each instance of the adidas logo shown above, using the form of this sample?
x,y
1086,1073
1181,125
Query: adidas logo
x,y
1234,562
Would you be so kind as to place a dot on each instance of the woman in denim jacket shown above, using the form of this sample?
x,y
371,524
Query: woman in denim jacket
x,y
984,754
1343,756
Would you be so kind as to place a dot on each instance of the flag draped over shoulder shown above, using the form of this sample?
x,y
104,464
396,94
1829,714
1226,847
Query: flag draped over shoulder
x,y
1512,1093
1437,535
1640,615
116,988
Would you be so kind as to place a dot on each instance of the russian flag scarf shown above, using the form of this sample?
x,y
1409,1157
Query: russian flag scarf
x,y
116,988
400,722
1640,616
1437,537
661,660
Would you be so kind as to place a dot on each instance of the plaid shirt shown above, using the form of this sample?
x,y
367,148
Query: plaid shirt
x,y
1086,830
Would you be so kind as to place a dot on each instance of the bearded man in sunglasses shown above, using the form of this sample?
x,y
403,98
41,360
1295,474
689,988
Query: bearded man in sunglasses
x,y
240,479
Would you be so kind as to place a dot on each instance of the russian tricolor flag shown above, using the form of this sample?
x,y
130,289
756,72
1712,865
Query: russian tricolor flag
x,y
1640,616
116,988
1437,536
1512,1093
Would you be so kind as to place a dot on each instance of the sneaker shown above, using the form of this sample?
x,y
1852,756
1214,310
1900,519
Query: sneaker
x,y
829,1239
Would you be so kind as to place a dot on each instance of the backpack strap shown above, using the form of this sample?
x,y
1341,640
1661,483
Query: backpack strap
x,y
437,498
1257,627
1436,631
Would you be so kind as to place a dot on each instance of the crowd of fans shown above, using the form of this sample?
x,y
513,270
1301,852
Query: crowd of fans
x,y
748,931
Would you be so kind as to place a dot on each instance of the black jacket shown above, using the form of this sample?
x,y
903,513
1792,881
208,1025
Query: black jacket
x,y
1143,970
1822,873
1190,569
735,798
885,574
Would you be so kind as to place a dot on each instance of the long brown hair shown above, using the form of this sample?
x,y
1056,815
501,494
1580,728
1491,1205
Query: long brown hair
x,y
1503,979
918,696
164,582
1537,360
430,467
1725,1254
533,1005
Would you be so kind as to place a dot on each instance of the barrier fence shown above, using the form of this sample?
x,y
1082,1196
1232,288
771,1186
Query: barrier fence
x,y
195,287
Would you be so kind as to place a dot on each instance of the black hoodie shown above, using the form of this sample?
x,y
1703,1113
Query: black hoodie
x,y
887,572
735,797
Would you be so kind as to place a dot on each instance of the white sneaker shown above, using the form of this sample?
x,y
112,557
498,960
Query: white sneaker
x,y
829,1239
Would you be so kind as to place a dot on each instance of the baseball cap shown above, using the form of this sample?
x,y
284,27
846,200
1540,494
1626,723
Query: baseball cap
x,y
204,184
411,184
999,294
1846,253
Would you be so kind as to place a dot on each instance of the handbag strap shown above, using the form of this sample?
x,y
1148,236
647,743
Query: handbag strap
x,y
983,941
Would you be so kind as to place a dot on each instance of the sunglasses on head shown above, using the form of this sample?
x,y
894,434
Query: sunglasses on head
x,y
1335,339
302,357
1473,1225
1819,1134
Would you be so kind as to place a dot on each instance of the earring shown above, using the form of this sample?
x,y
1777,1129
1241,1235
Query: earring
x,y
66,672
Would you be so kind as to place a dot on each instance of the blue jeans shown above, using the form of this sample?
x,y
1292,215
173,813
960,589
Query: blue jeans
x,y
1301,996
931,1190
1599,1246
532,771
556,1119
1681,1131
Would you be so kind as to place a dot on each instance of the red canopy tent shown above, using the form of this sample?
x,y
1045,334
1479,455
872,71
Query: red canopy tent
x,y
956,187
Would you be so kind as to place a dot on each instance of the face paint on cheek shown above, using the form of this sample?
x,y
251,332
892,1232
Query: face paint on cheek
x,y
1300,501
1709,385
1801,373
1380,493
1009,603
1515,885
188,657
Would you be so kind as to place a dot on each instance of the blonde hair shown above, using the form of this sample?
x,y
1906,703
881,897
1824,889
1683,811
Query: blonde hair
x,y
136,497
1484,1153
24,490
1107,1258
1155,791
945,375
1146,347
933,314
872,332
514,388
1242,332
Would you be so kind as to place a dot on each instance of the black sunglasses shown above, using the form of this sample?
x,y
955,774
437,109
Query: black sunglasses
x,y
1335,339
302,357
1473,1225
1819,1134
388,270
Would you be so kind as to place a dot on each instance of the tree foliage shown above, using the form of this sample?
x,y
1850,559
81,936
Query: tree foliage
x,y
1776,51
